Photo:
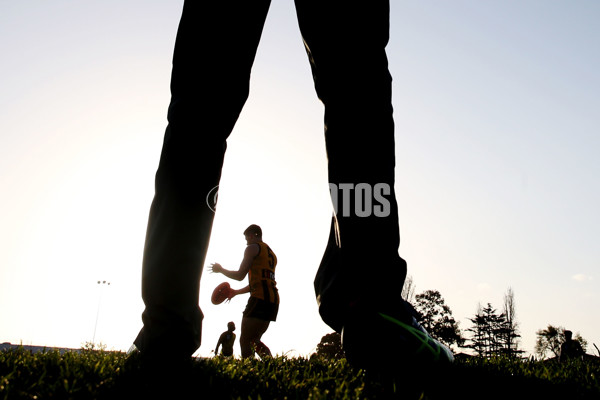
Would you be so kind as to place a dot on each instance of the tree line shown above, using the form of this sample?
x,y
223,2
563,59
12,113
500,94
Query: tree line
x,y
492,332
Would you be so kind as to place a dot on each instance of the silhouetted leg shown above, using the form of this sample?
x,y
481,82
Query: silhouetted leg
x,y
250,338
345,41
214,51
262,350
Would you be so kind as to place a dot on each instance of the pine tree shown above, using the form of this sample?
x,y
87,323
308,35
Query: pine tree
x,y
478,333
489,332
492,330
495,334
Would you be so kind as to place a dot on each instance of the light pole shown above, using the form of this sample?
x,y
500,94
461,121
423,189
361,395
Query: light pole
x,y
102,284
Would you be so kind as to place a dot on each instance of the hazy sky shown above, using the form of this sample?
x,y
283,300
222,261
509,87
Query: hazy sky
x,y
497,118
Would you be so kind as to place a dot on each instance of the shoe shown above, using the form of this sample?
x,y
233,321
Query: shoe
x,y
381,341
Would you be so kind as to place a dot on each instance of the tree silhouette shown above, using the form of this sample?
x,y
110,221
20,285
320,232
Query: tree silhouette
x,y
330,346
550,339
437,319
509,332
494,331
408,289
478,333
492,334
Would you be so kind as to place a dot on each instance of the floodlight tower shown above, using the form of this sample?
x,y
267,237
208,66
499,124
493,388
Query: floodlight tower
x,y
101,284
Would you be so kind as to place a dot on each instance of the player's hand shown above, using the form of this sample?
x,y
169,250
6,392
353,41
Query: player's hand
x,y
215,268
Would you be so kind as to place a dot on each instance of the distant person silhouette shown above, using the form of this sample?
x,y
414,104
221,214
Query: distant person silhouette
x,y
226,341
570,349
360,277
259,264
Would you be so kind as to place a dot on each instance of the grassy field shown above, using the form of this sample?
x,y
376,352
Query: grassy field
x,y
92,374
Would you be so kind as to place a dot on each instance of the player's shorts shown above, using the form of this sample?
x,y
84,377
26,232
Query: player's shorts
x,y
227,352
261,309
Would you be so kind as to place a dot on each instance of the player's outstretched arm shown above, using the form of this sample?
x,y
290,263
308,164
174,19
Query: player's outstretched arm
x,y
249,255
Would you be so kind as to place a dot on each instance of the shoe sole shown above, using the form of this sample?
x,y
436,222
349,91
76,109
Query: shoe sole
x,y
430,346
405,346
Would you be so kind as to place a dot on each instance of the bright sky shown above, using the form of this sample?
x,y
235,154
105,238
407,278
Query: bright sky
x,y
496,109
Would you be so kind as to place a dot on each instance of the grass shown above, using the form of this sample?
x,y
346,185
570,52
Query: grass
x,y
93,374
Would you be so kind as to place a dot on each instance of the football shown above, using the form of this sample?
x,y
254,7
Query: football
x,y
221,293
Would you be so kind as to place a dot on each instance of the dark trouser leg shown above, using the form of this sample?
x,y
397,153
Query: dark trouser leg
x,y
346,41
214,51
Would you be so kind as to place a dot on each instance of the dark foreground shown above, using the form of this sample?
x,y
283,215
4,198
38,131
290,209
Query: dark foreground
x,y
92,374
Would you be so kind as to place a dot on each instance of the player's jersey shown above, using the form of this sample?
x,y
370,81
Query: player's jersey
x,y
262,275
